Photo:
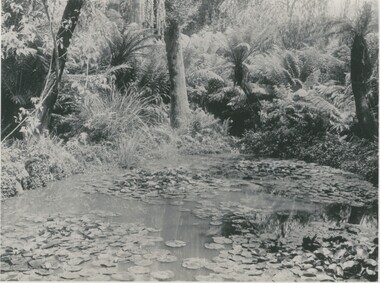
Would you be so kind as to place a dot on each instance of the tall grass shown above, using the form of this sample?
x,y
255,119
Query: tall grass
x,y
123,120
110,116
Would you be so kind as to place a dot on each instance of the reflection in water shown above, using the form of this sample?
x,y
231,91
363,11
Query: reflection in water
x,y
280,223
366,216
276,223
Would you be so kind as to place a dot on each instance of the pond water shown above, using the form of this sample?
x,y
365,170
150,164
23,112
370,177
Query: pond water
x,y
226,217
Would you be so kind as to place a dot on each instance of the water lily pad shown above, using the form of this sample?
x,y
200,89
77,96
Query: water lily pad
x,y
214,246
138,269
108,271
222,240
98,277
194,263
163,275
104,263
78,261
166,258
73,268
43,272
123,276
69,275
215,223
210,277
324,278
36,264
311,272
143,262
175,244
371,262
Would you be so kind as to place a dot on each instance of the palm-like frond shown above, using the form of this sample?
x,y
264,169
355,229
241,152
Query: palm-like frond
x,y
125,47
318,102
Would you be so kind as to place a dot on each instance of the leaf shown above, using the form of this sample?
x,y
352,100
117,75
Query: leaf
x,y
163,275
194,263
166,258
214,246
175,244
138,269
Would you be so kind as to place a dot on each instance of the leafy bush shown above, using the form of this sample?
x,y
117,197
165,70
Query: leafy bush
x,y
204,134
31,164
356,156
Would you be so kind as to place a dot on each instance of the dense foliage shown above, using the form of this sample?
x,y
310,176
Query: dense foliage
x,y
282,84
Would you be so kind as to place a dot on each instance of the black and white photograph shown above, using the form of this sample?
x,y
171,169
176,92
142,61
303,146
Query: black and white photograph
x,y
189,140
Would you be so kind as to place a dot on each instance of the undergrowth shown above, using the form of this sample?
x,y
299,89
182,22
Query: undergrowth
x,y
356,155
122,129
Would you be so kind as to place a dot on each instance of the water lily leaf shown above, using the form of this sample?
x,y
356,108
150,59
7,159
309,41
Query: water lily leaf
x,y
371,262
143,262
124,276
69,275
35,264
159,252
194,263
361,252
222,240
324,278
42,272
214,246
166,258
73,268
163,275
77,261
340,253
370,272
215,223
348,264
139,269
210,277
175,244
103,263
311,272
339,271
98,277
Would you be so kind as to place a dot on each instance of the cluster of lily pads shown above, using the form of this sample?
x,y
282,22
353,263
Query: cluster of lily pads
x,y
150,186
301,180
81,248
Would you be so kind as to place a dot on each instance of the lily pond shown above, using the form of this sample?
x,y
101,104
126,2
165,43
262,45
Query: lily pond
x,y
212,218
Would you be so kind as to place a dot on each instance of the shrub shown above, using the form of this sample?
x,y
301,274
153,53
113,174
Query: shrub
x,y
30,164
356,156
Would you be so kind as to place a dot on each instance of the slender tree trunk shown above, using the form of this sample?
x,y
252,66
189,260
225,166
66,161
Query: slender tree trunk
x,y
179,106
360,75
62,42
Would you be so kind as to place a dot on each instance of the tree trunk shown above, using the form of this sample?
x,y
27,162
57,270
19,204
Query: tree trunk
x,y
179,106
360,75
50,93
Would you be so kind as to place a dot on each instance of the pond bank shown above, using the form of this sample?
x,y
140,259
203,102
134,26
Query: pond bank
x,y
218,217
